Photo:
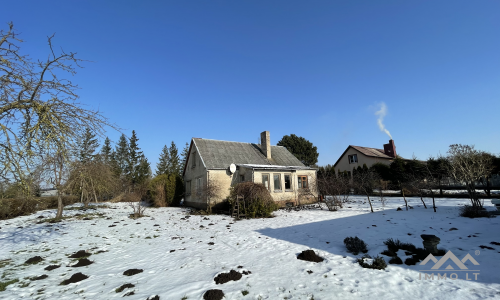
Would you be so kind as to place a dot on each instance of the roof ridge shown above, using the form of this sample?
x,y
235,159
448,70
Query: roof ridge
x,y
233,142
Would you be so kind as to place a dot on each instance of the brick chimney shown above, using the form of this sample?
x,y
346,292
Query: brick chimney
x,y
390,149
265,144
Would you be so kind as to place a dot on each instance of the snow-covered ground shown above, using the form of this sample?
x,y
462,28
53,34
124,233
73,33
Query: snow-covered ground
x,y
266,247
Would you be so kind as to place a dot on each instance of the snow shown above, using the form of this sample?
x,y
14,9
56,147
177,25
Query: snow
x,y
266,247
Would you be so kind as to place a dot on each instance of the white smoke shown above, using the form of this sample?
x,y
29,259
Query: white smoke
x,y
381,115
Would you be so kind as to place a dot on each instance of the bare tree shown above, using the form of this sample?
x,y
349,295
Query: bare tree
x,y
56,172
468,165
210,191
93,179
135,198
334,189
366,181
38,109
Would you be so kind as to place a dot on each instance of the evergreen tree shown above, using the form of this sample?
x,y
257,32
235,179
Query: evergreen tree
x,y
175,163
184,155
301,148
142,171
163,165
138,168
86,146
120,155
106,150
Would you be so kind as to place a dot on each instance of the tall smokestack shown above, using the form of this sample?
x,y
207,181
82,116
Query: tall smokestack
x,y
390,149
265,143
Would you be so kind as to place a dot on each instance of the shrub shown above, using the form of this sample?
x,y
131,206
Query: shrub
x,y
11,208
355,245
388,253
377,263
258,201
166,190
396,260
395,245
469,211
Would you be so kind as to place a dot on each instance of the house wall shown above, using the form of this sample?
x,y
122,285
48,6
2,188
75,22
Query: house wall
x,y
191,197
344,165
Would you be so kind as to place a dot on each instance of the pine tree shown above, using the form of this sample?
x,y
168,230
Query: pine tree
x,y
86,146
163,165
142,170
184,155
120,155
138,168
106,150
175,163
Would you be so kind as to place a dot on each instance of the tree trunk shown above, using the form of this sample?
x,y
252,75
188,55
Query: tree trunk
x,y
369,201
403,193
433,201
422,199
59,206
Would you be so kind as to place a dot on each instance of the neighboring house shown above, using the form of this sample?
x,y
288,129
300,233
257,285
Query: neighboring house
x,y
355,156
208,175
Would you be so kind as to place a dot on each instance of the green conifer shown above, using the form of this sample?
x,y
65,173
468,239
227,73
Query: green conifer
x,y
163,165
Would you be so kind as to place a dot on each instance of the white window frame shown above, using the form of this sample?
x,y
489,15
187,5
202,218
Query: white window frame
x,y
353,159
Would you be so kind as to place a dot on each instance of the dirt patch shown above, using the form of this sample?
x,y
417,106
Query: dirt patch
x,y
34,260
39,277
131,272
226,277
75,278
80,254
51,267
486,247
123,287
129,294
155,297
82,263
213,295
310,255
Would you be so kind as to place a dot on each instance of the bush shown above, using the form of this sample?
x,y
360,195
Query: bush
x,y
355,245
469,211
166,190
388,253
258,201
11,208
396,260
395,245
378,263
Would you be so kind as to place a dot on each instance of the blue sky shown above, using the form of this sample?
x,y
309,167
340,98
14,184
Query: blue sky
x,y
228,70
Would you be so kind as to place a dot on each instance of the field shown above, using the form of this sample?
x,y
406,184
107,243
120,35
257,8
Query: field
x,y
181,254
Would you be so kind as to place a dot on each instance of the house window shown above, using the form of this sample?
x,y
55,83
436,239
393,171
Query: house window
x,y
198,186
353,158
265,180
302,182
277,182
193,160
242,178
188,187
288,182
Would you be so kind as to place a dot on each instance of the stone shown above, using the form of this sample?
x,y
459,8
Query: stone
x,y
430,242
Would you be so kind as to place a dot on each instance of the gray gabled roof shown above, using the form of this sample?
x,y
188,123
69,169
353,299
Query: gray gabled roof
x,y
220,154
